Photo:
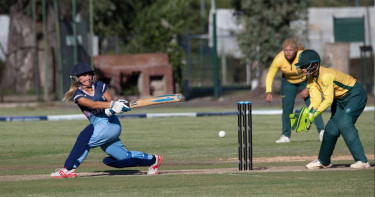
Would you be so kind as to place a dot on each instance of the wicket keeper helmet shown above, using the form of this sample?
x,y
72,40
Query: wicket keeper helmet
x,y
307,60
79,69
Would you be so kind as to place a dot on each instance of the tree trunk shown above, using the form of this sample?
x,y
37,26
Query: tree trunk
x,y
18,75
19,72
51,52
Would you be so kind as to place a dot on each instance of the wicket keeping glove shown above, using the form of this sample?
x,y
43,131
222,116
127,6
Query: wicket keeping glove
x,y
301,122
313,114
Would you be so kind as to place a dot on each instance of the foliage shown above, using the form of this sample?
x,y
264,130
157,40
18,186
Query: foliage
x,y
5,6
156,28
114,18
264,31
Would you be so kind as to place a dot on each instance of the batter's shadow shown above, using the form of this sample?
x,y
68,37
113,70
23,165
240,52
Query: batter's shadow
x,y
123,172
115,173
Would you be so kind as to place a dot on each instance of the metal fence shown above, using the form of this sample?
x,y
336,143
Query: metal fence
x,y
198,74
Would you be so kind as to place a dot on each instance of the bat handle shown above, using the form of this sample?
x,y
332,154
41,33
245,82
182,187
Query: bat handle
x,y
124,101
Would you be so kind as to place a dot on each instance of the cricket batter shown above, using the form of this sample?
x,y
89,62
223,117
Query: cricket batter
x,y
347,99
96,103
291,82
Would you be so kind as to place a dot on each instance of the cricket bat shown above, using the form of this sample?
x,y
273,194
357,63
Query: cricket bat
x,y
170,98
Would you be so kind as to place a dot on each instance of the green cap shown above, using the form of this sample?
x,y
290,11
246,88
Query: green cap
x,y
307,57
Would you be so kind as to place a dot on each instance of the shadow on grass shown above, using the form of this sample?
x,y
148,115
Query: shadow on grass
x,y
346,165
304,141
113,173
340,166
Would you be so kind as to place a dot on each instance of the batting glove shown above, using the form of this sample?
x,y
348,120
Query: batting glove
x,y
109,112
119,107
127,108
123,101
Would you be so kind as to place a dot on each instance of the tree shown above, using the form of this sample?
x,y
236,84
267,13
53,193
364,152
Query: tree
x,y
18,72
266,25
156,28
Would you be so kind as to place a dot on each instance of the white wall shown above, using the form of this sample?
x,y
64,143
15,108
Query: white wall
x,y
320,27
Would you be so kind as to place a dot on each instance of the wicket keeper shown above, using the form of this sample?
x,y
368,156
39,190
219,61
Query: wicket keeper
x,y
347,99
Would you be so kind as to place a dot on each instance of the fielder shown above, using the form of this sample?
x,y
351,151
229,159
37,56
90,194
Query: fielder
x,y
347,99
291,83
96,103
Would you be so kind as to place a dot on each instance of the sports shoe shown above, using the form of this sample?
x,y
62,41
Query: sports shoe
x,y
321,133
64,173
283,139
317,165
360,165
154,168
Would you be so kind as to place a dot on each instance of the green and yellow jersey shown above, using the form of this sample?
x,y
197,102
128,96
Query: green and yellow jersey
x,y
332,83
288,70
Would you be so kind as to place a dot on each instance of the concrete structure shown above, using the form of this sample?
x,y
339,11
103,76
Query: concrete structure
x,y
316,33
337,56
320,27
154,72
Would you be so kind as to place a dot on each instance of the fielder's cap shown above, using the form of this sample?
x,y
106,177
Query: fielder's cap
x,y
81,68
307,57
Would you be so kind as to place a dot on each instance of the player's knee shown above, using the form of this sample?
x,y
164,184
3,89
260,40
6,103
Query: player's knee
x,y
345,123
108,160
331,129
124,156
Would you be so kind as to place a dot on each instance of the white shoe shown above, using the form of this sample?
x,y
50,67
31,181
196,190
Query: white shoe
x,y
317,165
321,133
360,165
283,139
154,168
64,173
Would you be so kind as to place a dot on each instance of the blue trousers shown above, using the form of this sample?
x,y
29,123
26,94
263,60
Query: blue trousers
x,y
106,135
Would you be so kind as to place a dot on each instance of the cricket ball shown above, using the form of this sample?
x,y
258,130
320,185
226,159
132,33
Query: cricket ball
x,y
221,133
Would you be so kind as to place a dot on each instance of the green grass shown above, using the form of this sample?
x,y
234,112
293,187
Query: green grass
x,y
35,148
317,183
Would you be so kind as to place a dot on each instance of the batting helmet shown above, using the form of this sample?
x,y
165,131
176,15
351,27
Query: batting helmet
x,y
79,69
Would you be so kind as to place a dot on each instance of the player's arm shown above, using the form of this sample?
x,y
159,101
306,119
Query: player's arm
x,y
305,93
94,104
302,121
108,96
272,71
328,92
316,109
315,96
111,107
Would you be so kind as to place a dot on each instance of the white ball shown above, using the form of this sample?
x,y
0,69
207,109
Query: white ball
x,y
221,133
